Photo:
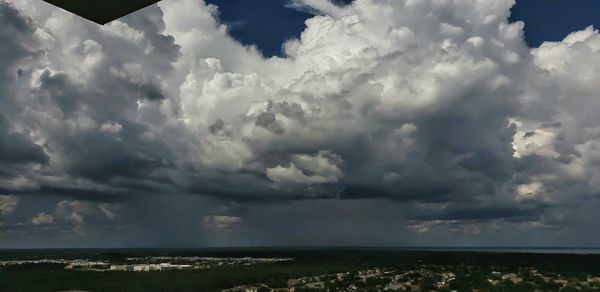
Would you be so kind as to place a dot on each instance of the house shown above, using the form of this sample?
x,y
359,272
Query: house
x,y
594,279
396,286
562,282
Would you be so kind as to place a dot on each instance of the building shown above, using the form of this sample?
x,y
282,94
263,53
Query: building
x,y
123,268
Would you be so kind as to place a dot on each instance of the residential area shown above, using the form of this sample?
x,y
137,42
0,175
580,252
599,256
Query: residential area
x,y
431,278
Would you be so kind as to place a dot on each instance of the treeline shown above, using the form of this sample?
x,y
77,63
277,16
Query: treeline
x,y
471,268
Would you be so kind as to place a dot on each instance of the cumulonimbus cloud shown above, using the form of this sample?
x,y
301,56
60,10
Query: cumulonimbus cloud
x,y
424,102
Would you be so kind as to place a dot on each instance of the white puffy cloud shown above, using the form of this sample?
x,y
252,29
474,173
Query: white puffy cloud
x,y
221,222
111,127
321,169
72,211
43,219
76,216
109,210
539,142
8,203
529,191
557,125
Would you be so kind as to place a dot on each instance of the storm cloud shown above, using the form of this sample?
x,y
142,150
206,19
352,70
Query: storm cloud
x,y
429,118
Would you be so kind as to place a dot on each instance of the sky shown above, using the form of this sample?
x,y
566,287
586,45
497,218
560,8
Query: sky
x,y
301,123
246,21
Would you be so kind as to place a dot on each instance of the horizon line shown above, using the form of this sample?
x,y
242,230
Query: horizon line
x,y
416,248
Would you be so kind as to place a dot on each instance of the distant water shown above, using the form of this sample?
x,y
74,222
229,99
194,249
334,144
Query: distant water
x,y
541,250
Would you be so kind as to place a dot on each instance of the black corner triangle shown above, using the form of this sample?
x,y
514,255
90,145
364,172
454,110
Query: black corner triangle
x,y
101,11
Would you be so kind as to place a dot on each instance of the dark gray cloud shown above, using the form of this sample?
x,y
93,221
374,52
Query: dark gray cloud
x,y
16,35
15,148
342,2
